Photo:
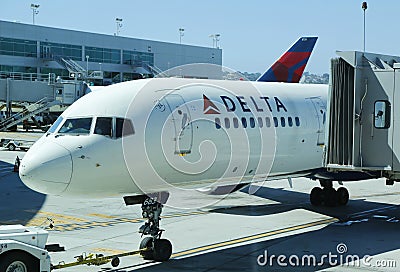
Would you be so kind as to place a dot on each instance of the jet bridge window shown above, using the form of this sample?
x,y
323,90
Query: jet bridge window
x,y
78,126
382,114
124,127
103,126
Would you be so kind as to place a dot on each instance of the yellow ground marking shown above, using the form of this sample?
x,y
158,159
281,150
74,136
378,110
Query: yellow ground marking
x,y
57,216
253,237
42,220
102,215
71,223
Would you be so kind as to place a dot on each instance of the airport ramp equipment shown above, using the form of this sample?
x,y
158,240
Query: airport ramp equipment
x,y
28,112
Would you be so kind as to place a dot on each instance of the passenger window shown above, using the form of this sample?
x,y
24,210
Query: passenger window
x,y
217,123
80,126
235,122
260,122
227,123
244,122
252,122
290,121
124,127
267,122
103,126
283,123
276,122
297,121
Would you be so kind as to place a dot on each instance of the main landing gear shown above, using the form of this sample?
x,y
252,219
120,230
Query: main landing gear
x,y
329,196
154,248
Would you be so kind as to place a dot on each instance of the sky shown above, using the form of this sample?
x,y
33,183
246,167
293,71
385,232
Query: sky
x,y
254,33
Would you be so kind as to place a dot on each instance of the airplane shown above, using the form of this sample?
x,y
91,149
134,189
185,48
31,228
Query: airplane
x,y
153,141
290,66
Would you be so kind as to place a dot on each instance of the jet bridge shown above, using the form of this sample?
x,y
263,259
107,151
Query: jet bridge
x,y
363,121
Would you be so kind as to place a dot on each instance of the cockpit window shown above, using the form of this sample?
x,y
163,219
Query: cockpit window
x,y
124,127
55,125
79,126
103,126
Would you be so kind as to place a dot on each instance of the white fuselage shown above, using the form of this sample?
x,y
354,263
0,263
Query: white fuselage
x,y
186,133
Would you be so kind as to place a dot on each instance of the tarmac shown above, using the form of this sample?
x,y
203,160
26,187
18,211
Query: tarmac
x,y
274,229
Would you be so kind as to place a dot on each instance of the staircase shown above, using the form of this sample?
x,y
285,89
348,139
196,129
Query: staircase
x,y
157,71
72,66
28,112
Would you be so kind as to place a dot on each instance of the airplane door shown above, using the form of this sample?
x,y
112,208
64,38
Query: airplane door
x,y
182,122
320,113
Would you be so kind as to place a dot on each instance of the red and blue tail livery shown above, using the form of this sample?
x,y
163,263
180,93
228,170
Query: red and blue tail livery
x,y
290,66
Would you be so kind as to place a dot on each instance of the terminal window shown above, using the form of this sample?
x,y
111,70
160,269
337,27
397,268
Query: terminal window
x,y
18,47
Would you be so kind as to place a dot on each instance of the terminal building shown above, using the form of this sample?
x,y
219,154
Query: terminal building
x,y
34,49
47,66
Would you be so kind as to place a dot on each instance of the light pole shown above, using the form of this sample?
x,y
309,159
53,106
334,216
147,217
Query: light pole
x,y
35,11
87,65
118,21
364,7
181,34
215,38
212,36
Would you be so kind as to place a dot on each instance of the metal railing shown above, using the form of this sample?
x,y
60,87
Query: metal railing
x,y
26,76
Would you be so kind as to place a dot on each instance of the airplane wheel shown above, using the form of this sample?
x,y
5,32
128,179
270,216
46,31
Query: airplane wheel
x,y
147,242
316,196
162,250
330,197
342,196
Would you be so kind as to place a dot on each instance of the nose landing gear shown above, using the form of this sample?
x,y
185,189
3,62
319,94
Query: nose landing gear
x,y
152,247
328,195
157,249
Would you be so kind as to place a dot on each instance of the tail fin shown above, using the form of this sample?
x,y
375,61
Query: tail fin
x,y
290,66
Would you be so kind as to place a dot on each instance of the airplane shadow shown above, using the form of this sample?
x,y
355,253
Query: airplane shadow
x,y
372,236
290,200
18,203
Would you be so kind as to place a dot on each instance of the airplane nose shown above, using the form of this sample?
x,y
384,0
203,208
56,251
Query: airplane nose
x,y
46,168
